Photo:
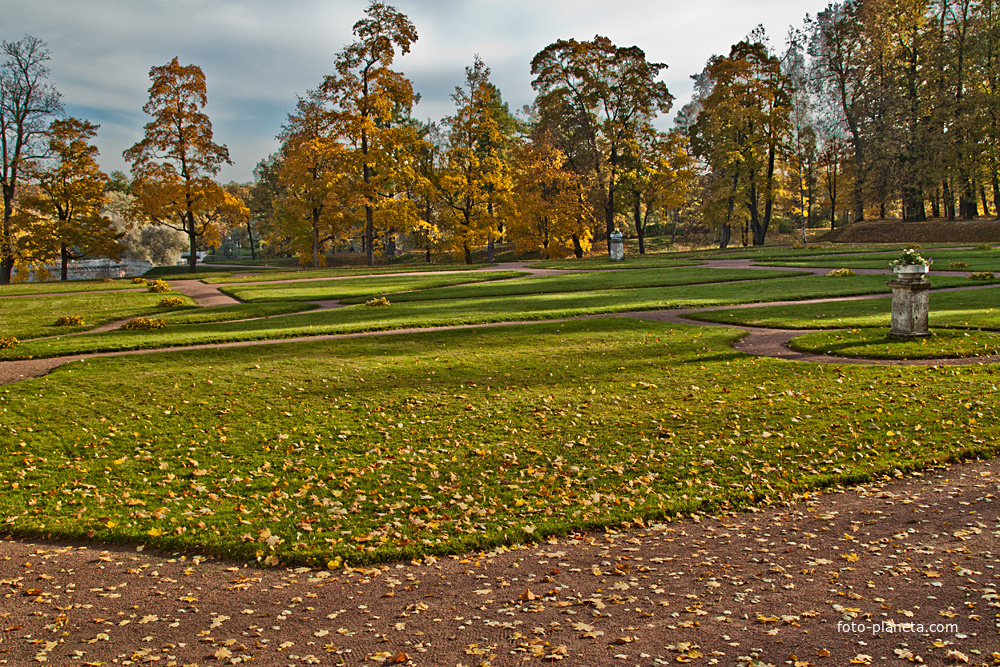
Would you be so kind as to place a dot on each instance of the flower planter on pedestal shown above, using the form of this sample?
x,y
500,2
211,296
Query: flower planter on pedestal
x,y
910,302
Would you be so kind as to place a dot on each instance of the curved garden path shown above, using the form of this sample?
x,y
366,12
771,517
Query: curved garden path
x,y
760,341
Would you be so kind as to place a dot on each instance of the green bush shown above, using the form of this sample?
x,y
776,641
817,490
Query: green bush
x,y
958,265
379,301
172,302
982,275
840,273
143,324
984,246
69,321
140,281
786,225
159,286
8,342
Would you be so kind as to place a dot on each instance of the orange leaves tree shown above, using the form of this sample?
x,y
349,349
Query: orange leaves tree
x,y
27,101
310,210
742,125
550,211
64,209
367,98
601,94
174,164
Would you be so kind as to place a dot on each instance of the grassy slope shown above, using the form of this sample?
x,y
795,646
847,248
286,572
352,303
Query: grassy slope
x,y
978,260
365,288
589,282
971,309
299,274
469,311
18,289
35,317
451,441
876,344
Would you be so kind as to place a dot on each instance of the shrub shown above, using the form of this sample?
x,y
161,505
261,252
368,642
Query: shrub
x,y
958,265
159,286
815,247
840,273
8,342
797,246
380,301
982,275
143,324
172,302
912,246
70,321
786,225
984,246
140,281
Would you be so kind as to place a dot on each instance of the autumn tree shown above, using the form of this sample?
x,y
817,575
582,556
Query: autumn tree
x,y
659,174
310,209
27,102
738,132
365,93
606,93
66,206
174,164
476,174
549,211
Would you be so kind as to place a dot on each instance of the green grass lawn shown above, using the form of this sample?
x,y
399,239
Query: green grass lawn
x,y
973,309
386,448
35,317
602,262
338,272
585,282
363,288
440,312
241,311
876,344
59,287
978,260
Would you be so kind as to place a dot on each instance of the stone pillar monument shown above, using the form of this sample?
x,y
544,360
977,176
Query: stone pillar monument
x,y
910,302
616,247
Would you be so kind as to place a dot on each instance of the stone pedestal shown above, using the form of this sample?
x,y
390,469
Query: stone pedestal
x,y
616,247
910,305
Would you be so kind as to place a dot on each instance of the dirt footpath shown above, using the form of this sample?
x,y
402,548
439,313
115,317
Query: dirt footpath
x,y
897,573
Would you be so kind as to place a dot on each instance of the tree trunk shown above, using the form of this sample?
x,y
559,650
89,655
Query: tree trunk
x,y
982,195
489,240
609,214
193,244
315,238
949,200
577,247
859,190
996,192
63,262
370,234
967,200
936,204
640,227
725,233
253,252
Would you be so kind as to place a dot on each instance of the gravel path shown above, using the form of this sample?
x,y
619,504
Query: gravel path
x,y
798,584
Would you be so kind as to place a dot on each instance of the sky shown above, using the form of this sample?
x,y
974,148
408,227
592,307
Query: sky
x,y
258,55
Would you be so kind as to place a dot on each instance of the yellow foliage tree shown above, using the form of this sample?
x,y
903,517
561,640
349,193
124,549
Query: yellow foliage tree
x,y
550,209
367,98
64,209
476,179
310,212
173,165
